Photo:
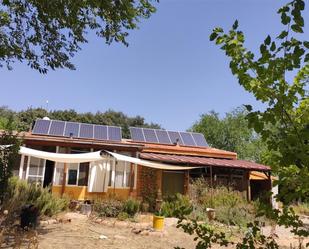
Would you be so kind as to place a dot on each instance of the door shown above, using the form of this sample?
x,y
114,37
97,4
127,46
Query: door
x,y
173,182
49,173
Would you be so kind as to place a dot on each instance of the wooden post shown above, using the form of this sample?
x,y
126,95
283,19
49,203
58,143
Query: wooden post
x,y
211,185
65,168
186,182
248,185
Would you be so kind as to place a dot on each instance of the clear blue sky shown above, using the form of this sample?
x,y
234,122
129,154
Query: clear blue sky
x,y
170,74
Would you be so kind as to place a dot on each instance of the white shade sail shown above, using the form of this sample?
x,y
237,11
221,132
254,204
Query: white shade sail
x,y
147,163
96,156
61,157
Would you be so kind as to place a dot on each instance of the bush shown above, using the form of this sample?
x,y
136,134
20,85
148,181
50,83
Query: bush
x,y
114,208
21,193
108,207
173,204
230,206
123,216
301,208
131,207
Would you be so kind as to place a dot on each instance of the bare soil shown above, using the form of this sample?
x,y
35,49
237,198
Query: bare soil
x,y
74,230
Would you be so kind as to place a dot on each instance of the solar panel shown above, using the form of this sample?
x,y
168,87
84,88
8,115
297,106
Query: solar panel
x,y
187,138
150,135
56,128
163,137
41,127
100,132
71,129
175,137
114,133
137,134
199,139
86,131
76,130
167,137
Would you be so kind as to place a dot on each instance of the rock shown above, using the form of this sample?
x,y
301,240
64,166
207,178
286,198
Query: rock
x,y
103,236
145,232
136,230
98,220
169,222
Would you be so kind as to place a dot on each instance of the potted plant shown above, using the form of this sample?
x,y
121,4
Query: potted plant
x,y
158,220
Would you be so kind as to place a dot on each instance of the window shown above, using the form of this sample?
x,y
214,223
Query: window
x,y
77,173
83,174
36,170
120,175
73,173
59,173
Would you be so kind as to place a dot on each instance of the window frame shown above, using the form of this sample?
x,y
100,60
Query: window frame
x,y
112,174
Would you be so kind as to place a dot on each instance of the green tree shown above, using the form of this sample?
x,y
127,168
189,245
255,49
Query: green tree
x,y
278,76
47,34
231,133
23,120
9,147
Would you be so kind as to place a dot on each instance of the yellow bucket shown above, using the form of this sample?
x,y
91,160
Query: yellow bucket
x,y
158,222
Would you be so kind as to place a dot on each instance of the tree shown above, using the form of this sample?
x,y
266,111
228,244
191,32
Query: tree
x,y
47,34
284,125
9,147
23,120
231,133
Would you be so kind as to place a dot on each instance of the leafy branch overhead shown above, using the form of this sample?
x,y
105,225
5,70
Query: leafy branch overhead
x,y
47,34
267,75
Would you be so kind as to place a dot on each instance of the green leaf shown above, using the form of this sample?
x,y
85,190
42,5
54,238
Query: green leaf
x,y
285,19
213,36
267,40
306,44
297,28
248,107
235,25
273,46
283,34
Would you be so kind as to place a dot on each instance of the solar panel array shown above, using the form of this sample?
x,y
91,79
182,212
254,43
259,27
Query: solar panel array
x,y
167,137
76,130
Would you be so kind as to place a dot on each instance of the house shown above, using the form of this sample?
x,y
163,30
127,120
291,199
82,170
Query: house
x,y
55,153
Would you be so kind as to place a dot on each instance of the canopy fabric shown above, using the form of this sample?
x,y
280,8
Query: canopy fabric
x,y
61,157
96,156
146,163
3,147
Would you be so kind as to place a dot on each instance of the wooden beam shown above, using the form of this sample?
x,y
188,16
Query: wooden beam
x,y
65,168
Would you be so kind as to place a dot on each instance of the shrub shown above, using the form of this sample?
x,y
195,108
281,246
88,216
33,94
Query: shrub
x,y
173,204
131,207
231,207
123,216
301,208
108,207
21,193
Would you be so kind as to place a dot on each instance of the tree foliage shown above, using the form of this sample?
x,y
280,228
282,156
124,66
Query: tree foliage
x,y
47,34
8,156
23,120
278,76
231,133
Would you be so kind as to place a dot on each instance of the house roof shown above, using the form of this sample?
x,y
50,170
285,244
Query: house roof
x,y
206,161
30,138
188,150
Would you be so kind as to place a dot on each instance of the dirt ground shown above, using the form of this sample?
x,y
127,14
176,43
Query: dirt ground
x,y
74,230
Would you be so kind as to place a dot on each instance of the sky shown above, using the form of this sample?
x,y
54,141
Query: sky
x,y
170,74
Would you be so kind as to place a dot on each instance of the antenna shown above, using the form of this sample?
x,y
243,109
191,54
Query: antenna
x,y
47,106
